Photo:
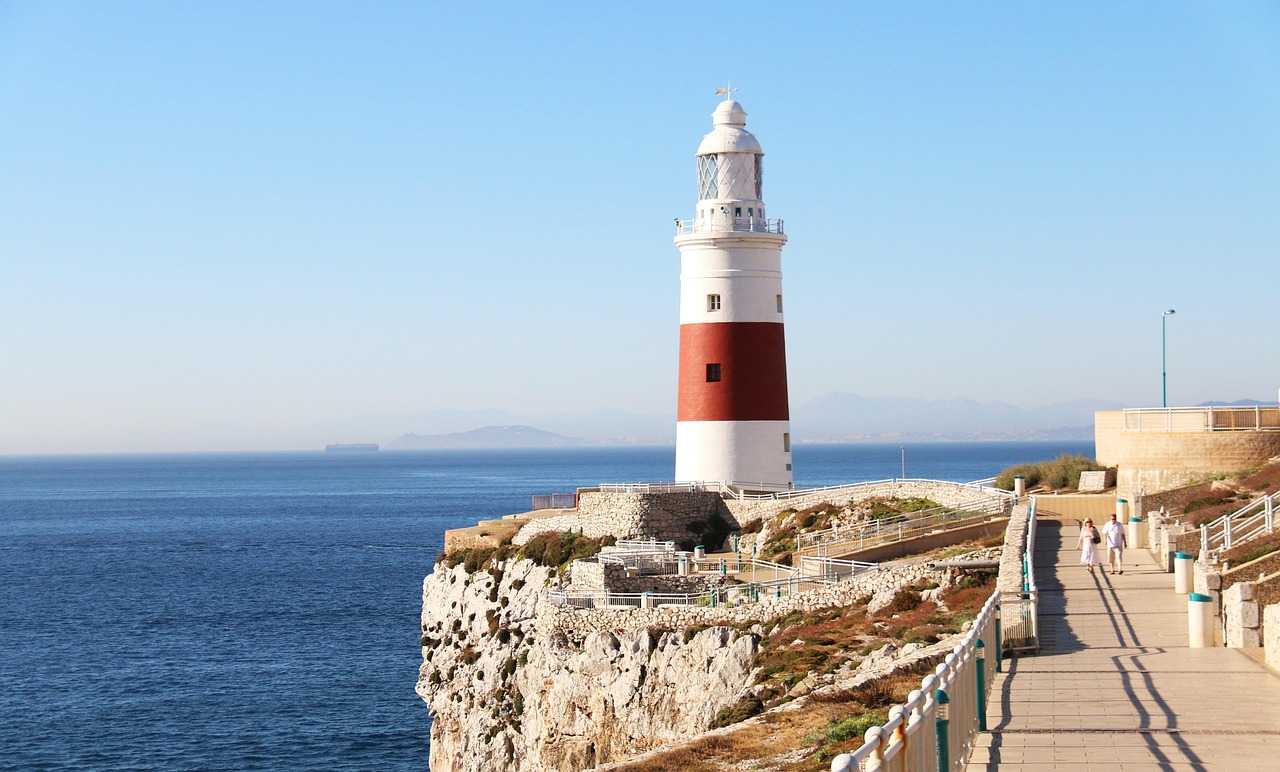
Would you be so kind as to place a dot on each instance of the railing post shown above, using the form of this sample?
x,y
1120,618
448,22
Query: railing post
x,y
943,730
981,663
999,649
875,759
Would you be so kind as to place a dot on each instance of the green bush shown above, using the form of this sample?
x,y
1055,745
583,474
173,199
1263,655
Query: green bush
x,y
744,709
1062,472
557,550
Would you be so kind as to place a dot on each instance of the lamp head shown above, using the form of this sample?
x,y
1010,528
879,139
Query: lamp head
x,y
1170,312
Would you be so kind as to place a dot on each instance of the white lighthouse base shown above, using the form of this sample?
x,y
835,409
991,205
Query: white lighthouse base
x,y
748,455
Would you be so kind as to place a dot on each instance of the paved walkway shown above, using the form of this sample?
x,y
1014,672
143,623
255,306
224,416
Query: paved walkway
x,y
1115,686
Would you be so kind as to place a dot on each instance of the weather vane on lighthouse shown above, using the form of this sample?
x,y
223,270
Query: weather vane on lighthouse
x,y
727,90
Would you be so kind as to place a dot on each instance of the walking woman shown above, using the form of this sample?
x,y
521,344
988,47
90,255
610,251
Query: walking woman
x,y
1088,544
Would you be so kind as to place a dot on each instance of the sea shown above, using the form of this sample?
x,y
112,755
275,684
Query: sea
x,y
258,611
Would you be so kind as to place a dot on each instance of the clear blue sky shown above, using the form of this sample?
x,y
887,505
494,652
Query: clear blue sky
x,y
242,218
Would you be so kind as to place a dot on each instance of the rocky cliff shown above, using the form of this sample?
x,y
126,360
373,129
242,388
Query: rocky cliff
x,y
507,689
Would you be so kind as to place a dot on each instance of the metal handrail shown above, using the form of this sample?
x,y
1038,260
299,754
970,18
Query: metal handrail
x,y
1210,418
746,592
935,728
726,224
903,526
1257,518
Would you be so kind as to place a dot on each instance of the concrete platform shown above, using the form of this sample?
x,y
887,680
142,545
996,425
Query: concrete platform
x,y
1115,685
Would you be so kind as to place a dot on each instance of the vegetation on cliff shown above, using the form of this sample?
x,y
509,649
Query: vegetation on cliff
x,y
784,527
550,549
799,646
1209,499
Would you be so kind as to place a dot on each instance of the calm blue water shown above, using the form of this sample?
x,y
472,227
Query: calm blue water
x,y
260,611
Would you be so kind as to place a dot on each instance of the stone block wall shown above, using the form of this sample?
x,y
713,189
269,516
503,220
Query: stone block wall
x,y
634,515
1271,635
1254,570
1241,617
1158,461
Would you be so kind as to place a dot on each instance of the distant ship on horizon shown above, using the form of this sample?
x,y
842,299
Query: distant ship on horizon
x,y
350,447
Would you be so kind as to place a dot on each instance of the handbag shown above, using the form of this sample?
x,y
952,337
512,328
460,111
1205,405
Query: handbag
x,y
1096,538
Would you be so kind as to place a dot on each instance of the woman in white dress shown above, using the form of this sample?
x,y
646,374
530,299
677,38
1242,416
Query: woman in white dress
x,y
1088,547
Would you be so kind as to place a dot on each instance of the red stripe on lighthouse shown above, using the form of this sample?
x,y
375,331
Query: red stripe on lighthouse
x,y
753,368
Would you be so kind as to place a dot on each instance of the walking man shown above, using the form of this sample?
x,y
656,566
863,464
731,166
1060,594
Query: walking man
x,y
1114,537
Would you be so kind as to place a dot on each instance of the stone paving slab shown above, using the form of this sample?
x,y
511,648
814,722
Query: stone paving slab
x,y
1115,685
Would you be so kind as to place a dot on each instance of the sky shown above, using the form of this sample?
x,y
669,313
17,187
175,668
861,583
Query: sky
x,y
223,222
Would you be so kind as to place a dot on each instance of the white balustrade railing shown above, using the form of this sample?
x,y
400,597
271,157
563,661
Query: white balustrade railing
x,y
1202,419
935,728
1257,518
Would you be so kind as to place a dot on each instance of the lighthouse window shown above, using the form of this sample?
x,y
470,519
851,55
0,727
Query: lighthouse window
x,y
708,180
779,304
713,302
713,372
759,177
737,211
786,442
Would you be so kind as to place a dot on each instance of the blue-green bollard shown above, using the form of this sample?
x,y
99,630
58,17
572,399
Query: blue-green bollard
x,y
982,686
943,729
999,647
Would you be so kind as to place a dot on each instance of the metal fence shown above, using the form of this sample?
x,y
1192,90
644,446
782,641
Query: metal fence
x,y
935,728
554,501
734,489
729,595
870,533
1257,518
1202,419
719,223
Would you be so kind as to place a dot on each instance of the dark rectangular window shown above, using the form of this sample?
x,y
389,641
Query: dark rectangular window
x,y
713,372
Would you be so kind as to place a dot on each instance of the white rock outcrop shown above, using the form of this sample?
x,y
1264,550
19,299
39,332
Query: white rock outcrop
x,y
506,696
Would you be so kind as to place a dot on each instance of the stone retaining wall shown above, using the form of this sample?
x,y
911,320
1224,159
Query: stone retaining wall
x,y
635,516
1159,461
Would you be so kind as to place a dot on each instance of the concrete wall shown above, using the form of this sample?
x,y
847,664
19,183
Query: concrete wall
x,y
1076,507
1157,461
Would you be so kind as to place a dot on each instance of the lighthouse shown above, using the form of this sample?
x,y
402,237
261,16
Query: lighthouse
x,y
733,422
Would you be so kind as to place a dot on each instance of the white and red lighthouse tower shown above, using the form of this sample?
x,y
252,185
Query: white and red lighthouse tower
x,y
733,422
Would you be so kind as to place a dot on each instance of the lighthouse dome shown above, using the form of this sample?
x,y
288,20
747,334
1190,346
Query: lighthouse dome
x,y
730,134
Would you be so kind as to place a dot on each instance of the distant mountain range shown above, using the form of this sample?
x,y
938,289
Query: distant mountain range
x,y
837,417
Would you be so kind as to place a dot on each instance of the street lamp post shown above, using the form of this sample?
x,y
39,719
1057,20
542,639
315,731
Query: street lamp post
x,y
1164,370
